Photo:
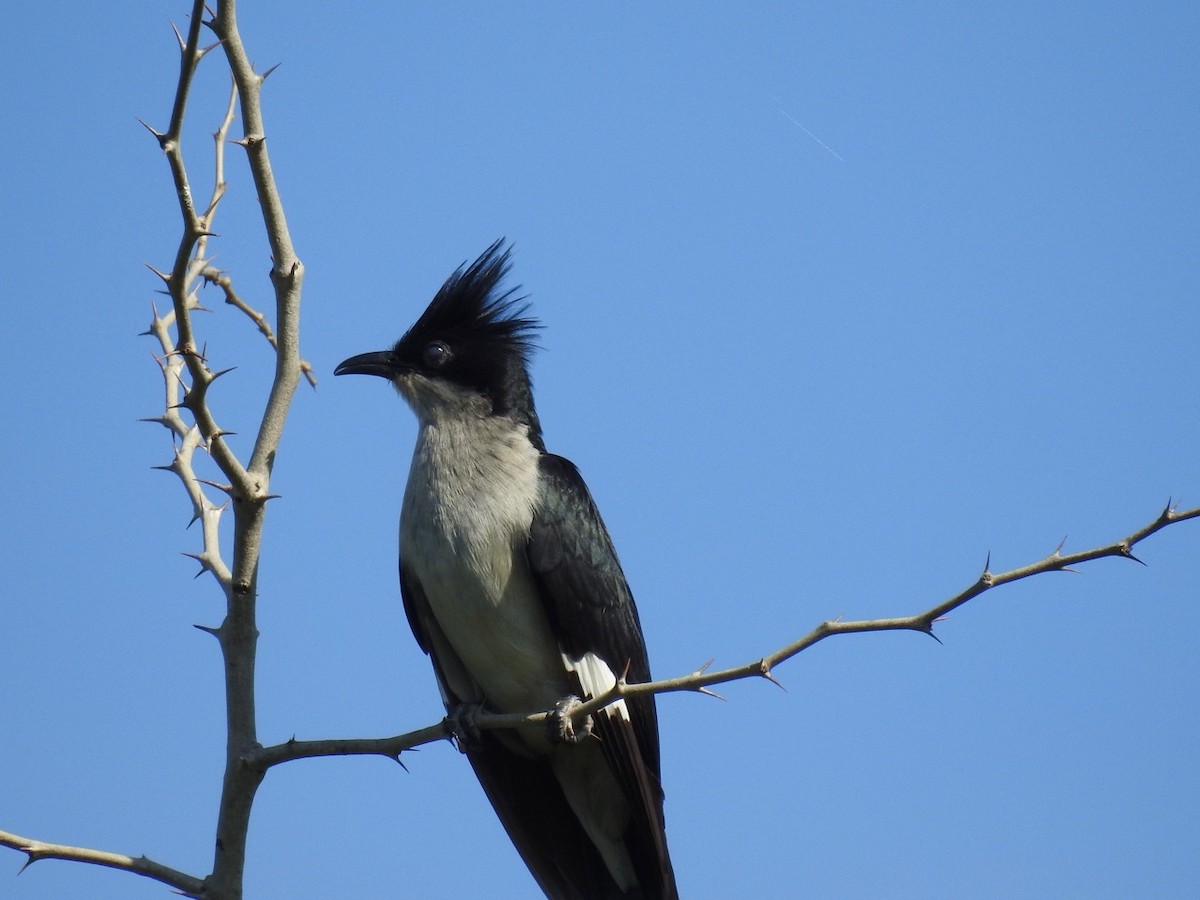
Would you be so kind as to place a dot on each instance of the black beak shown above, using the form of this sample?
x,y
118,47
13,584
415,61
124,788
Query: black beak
x,y
378,362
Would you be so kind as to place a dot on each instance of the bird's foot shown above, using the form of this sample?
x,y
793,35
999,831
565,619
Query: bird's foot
x,y
562,725
464,731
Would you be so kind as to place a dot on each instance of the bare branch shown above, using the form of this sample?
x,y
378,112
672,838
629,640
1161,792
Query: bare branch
x,y
188,264
287,272
391,747
203,509
36,851
219,185
213,275
249,486
701,680
187,378
176,361
923,622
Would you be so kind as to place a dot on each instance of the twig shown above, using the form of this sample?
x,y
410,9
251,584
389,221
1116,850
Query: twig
x,y
701,680
922,622
287,272
213,275
391,747
174,361
185,884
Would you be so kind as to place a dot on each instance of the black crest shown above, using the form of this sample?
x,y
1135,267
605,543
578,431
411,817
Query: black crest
x,y
475,333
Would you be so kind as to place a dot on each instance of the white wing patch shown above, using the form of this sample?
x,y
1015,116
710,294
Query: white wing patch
x,y
596,678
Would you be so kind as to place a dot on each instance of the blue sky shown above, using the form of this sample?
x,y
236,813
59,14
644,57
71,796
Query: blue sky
x,y
838,300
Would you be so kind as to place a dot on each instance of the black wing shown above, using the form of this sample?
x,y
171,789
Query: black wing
x,y
523,790
591,610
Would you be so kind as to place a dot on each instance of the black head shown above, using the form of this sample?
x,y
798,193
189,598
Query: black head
x,y
473,342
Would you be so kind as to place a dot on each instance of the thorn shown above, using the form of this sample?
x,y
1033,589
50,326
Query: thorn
x,y
704,690
1168,510
170,468
29,862
267,74
179,37
704,668
1058,549
223,488
215,632
985,577
764,669
1127,552
932,635
401,763
204,566
771,678
158,135
166,278
217,375
217,435
1070,569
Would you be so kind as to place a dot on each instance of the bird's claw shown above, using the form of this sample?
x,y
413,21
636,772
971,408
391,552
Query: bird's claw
x,y
562,725
464,731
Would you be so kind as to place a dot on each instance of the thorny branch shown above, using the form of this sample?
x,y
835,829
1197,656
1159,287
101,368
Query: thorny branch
x,y
189,417
188,435
222,280
186,884
259,759
701,680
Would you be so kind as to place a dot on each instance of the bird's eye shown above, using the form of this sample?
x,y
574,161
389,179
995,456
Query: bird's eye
x,y
436,355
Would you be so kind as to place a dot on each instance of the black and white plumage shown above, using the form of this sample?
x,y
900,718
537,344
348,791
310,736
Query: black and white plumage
x,y
512,586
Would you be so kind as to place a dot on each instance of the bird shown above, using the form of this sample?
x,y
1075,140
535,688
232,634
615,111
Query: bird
x,y
512,586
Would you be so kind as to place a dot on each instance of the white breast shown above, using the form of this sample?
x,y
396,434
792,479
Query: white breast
x,y
467,509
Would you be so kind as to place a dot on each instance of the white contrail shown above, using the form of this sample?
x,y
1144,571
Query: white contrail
x,y
833,152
